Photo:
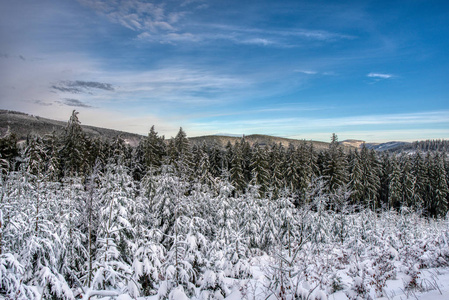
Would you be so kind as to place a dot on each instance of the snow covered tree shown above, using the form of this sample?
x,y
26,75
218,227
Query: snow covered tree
x,y
439,187
115,233
153,149
395,186
73,157
8,148
260,169
201,166
237,176
355,179
334,171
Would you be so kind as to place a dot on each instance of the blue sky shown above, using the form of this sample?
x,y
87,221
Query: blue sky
x,y
370,70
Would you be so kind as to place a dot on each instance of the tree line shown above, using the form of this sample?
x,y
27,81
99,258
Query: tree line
x,y
376,180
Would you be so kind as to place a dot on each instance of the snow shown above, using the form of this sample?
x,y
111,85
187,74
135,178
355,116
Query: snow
x,y
124,297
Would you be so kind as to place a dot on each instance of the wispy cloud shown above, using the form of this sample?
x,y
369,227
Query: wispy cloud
x,y
258,41
42,103
137,15
380,75
74,102
78,86
307,72
173,23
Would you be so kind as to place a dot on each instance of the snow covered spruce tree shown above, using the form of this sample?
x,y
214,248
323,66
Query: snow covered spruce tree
x,y
334,168
115,235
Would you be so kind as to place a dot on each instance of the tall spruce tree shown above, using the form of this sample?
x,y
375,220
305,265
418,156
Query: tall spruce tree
x,y
335,170
153,149
395,185
439,187
260,169
356,179
236,170
73,152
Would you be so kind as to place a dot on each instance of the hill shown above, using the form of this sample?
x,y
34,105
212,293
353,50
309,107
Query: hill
x,y
262,140
23,125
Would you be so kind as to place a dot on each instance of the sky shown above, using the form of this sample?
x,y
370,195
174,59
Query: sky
x,y
370,70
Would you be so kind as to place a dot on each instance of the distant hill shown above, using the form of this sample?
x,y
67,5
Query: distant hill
x,y
389,146
352,143
423,146
260,139
23,125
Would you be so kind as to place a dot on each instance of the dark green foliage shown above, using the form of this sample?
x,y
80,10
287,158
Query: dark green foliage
x,y
334,166
73,154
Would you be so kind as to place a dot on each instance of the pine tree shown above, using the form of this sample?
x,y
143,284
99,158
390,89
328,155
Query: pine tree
x,y
35,156
215,160
183,155
236,169
115,233
334,172
260,169
439,187
356,179
201,166
73,152
8,149
419,172
51,148
306,167
291,172
395,185
408,183
153,149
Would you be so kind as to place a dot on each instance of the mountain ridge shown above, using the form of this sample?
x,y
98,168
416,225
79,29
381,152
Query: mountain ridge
x,y
23,125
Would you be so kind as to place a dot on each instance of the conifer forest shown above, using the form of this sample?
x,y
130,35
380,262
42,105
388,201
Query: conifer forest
x,y
82,217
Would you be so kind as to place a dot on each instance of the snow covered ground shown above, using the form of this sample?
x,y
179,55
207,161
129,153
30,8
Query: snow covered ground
x,y
435,284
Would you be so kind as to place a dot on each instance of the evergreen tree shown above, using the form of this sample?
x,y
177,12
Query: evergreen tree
x,y
385,169
306,166
291,172
153,149
276,165
112,264
183,155
334,171
236,169
201,166
439,187
356,179
408,183
260,169
395,185
215,160
73,152
420,174
8,149
370,177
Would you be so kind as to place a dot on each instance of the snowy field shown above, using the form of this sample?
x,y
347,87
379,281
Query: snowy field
x,y
105,238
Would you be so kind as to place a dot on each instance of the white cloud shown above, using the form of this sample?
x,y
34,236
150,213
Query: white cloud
x,y
307,72
380,75
169,24
258,41
137,15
